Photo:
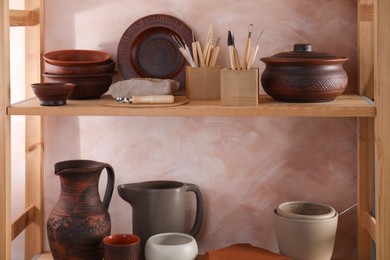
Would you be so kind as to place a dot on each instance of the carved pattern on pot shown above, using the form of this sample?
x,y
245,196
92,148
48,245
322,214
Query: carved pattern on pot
x,y
84,227
312,84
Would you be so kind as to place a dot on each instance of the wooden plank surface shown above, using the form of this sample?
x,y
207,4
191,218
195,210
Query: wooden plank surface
x,y
382,128
5,136
365,153
343,106
23,18
366,47
25,219
34,195
365,127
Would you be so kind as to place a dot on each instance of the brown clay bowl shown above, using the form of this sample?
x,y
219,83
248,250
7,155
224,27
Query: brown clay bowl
x,y
107,67
304,75
76,57
52,94
87,86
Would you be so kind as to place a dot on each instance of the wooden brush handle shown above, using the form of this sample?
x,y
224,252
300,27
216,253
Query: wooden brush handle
x,y
155,99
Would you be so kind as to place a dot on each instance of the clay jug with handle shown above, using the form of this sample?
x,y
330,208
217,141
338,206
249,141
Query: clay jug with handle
x,y
79,220
160,207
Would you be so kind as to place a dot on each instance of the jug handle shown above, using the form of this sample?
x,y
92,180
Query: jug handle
x,y
110,185
199,208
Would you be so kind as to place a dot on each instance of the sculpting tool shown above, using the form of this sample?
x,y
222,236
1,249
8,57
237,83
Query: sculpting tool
x,y
183,48
236,57
247,47
154,99
254,52
194,52
200,53
214,54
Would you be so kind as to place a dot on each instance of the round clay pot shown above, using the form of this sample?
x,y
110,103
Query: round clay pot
x,y
305,210
304,75
87,86
171,246
52,94
306,239
121,246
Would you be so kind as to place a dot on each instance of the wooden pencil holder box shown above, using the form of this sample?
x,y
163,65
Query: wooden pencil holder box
x,y
203,83
240,87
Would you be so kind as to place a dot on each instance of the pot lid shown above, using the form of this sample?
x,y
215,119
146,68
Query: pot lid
x,y
304,52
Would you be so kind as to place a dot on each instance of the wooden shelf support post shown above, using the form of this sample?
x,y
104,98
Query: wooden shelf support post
x,y
5,135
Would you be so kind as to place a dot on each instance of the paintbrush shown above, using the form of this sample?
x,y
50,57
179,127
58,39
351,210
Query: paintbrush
x,y
247,47
230,43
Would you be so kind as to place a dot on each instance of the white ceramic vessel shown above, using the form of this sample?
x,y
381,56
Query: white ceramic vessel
x,y
305,238
305,210
171,246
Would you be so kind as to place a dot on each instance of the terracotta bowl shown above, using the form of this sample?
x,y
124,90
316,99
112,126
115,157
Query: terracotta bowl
x,y
87,86
107,67
76,57
52,94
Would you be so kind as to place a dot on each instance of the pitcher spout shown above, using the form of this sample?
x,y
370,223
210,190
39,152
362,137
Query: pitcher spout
x,y
127,193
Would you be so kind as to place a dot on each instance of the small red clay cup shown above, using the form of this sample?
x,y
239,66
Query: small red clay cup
x,y
121,246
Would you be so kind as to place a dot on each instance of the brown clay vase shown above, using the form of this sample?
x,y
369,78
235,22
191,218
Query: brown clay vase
x,y
80,220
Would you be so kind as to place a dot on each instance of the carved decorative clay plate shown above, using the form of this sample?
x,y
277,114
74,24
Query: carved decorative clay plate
x,y
148,50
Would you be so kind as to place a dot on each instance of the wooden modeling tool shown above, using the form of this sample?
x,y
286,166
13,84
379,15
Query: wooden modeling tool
x,y
247,47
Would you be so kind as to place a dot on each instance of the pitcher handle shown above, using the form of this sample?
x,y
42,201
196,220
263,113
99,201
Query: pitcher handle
x,y
110,185
199,208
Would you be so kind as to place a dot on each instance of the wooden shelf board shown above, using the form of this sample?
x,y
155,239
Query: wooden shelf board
x,y
48,256
343,106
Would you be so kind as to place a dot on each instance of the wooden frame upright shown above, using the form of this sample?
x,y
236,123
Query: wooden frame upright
x,y
373,127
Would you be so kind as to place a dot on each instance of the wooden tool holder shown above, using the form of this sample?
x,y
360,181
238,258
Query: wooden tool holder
x,y
240,87
203,83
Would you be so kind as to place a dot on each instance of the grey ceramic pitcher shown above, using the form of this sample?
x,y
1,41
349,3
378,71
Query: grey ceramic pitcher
x,y
160,206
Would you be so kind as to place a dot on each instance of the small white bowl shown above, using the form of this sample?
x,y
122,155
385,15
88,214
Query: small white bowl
x,y
171,246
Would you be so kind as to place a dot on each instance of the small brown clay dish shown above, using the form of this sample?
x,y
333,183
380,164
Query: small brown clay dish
x,y
52,94
304,75
76,57
87,86
104,68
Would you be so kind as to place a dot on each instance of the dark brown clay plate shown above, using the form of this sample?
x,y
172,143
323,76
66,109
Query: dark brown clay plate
x,y
148,50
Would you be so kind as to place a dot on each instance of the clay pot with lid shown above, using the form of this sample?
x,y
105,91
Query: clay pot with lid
x,y
304,75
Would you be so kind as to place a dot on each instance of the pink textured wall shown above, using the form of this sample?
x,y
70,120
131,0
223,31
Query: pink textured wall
x,y
245,166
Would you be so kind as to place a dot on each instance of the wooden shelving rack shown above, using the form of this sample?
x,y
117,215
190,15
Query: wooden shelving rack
x,y
373,125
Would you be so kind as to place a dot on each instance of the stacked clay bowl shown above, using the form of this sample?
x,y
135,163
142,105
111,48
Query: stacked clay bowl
x,y
91,71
